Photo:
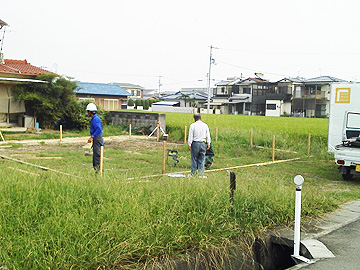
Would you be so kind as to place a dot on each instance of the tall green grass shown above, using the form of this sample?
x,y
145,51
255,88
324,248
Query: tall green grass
x,y
122,221
234,130
58,222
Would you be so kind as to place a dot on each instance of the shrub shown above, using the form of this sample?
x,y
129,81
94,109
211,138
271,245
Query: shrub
x,y
131,102
146,104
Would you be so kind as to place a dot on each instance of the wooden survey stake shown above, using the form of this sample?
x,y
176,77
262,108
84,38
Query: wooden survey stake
x,y
251,137
2,137
309,144
273,149
185,133
158,132
60,133
129,131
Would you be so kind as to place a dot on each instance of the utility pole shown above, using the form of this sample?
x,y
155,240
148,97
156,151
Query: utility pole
x,y
2,25
159,85
212,61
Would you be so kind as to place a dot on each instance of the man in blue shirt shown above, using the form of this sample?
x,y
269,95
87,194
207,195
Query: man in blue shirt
x,y
96,137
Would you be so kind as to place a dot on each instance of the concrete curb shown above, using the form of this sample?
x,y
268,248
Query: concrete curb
x,y
346,214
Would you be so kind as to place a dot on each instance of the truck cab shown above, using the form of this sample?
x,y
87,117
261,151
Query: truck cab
x,y
347,152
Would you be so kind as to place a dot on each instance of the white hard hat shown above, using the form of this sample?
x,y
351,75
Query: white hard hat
x,y
91,107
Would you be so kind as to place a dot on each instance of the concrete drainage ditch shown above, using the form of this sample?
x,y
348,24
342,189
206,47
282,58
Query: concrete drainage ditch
x,y
272,253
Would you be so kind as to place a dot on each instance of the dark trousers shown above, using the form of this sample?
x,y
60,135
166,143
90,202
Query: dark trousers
x,y
97,142
198,150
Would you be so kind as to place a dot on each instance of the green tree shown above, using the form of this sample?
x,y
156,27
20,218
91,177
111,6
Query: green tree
x,y
186,98
146,104
52,101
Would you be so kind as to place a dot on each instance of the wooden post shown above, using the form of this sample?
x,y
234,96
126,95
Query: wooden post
x,y
158,131
309,143
60,133
185,141
273,149
251,137
164,156
129,131
216,134
101,159
2,137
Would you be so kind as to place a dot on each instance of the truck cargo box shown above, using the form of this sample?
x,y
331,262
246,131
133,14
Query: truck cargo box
x,y
344,98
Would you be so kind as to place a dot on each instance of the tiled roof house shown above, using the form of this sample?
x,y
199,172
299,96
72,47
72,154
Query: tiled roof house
x,y
12,72
21,68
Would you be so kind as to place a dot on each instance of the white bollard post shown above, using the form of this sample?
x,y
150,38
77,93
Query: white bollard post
x,y
298,180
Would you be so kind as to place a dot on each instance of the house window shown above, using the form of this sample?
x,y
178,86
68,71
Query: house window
x,y
247,106
138,93
247,90
223,89
320,110
271,106
235,89
111,104
285,89
87,99
258,92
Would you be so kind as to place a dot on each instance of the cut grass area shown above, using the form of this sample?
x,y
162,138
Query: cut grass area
x,y
122,164
45,134
52,221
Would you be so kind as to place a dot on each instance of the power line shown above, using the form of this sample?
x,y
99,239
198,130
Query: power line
x,y
116,74
166,84
256,70
292,53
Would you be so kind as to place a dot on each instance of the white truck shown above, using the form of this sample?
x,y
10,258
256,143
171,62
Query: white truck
x,y
344,128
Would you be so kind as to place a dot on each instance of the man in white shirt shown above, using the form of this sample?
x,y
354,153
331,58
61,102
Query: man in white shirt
x,y
198,142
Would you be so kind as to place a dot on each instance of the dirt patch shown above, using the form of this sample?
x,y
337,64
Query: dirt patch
x,y
133,145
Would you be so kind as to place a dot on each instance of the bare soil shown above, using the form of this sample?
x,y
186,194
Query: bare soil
x,y
122,142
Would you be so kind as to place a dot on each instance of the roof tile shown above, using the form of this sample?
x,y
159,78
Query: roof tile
x,y
100,89
20,67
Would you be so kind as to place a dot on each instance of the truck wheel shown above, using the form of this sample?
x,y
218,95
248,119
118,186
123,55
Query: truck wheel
x,y
347,176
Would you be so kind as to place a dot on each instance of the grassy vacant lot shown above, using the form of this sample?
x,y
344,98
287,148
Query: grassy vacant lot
x,y
122,221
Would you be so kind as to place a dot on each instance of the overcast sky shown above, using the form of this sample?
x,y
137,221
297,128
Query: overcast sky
x,y
136,41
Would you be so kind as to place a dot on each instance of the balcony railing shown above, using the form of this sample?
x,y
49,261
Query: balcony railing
x,y
318,94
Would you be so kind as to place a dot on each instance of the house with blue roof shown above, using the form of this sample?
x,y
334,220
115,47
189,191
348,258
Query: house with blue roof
x,y
108,96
